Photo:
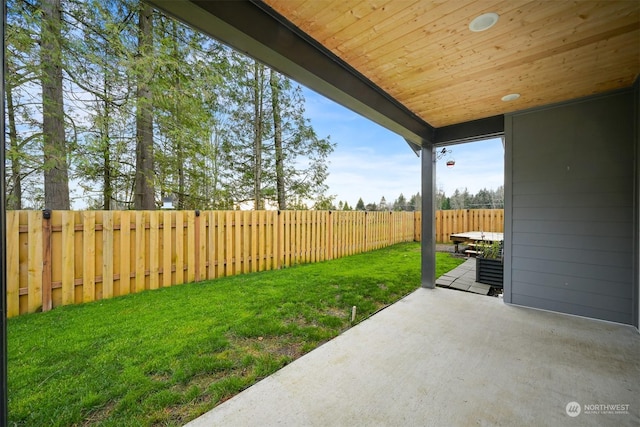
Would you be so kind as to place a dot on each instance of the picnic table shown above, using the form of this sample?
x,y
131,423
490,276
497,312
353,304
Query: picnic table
x,y
473,237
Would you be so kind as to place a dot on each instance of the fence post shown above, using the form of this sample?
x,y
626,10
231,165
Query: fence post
x,y
46,260
329,236
279,237
196,246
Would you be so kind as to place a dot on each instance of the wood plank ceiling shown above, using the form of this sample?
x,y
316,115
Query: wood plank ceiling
x,y
423,54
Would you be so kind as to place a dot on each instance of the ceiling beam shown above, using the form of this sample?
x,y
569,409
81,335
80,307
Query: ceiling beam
x,y
254,28
489,127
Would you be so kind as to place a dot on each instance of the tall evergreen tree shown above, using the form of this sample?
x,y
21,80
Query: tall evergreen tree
x,y
22,78
103,163
277,138
144,179
152,108
382,206
56,173
400,204
275,154
185,105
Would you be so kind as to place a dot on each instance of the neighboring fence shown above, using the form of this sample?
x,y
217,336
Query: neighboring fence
x,y
76,257
462,220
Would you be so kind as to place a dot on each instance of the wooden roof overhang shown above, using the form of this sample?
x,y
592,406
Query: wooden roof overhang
x,y
414,66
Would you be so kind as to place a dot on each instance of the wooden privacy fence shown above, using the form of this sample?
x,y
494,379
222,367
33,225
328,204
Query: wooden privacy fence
x,y
75,257
462,220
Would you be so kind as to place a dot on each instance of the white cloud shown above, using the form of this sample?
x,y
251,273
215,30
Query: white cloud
x,y
478,165
371,175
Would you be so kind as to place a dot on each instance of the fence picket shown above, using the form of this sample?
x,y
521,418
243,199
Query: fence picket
x,y
141,255
88,256
125,253
244,237
107,254
179,248
191,239
237,238
154,254
13,263
167,249
213,248
221,269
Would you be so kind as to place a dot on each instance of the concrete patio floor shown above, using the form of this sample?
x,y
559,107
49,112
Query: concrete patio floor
x,y
440,357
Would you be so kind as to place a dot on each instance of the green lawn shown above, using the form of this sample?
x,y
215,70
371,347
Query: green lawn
x,y
164,357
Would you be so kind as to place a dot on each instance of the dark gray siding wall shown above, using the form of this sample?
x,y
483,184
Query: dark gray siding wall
x,y
570,225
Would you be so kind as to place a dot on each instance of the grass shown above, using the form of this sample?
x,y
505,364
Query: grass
x,y
164,357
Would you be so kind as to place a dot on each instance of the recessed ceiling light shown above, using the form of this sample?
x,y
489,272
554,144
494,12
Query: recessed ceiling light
x,y
483,22
511,97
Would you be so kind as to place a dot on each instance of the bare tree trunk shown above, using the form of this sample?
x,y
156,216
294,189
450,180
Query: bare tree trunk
x,y
14,200
277,136
257,136
56,175
144,180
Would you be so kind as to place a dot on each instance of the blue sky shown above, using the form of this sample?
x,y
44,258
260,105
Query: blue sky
x,y
370,162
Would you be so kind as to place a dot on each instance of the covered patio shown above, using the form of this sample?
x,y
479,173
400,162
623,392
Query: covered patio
x,y
476,361
559,81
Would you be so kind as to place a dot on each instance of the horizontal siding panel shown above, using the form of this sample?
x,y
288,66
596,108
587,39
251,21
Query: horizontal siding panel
x,y
601,229
574,200
593,214
589,256
564,307
574,173
594,286
581,298
574,241
558,180
579,186
573,269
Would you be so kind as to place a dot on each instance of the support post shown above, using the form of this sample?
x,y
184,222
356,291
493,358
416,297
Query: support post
x,y
3,244
636,233
428,245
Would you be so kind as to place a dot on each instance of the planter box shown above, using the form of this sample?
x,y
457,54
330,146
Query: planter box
x,y
489,271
